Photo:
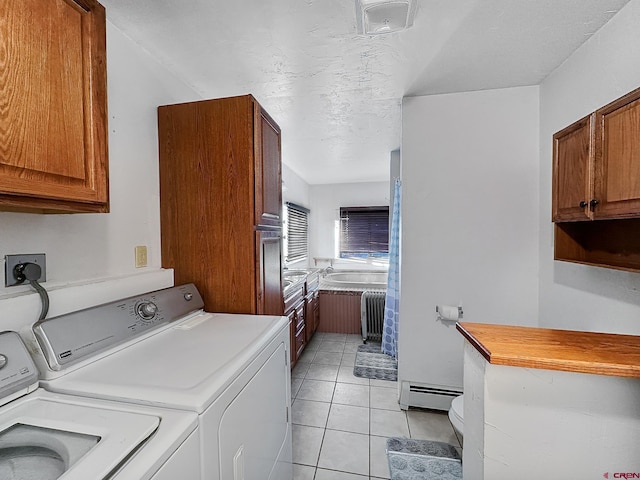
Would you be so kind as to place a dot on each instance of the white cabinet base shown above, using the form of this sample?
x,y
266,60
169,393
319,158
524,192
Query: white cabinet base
x,y
529,423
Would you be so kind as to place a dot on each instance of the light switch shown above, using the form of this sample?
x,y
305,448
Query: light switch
x,y
141,256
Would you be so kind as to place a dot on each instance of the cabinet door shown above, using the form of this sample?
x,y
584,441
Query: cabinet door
x,y
308,316
572,171
268,194
292,336
53,134
269,288
316,311
617,188
300,315
311,314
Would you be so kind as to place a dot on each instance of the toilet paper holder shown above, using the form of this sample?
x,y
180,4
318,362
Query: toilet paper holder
x,y
449,313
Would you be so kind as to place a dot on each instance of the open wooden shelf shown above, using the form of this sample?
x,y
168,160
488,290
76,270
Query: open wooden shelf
x,y
604,243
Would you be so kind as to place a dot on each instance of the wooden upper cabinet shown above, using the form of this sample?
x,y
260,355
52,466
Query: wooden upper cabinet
x,y
53,119
268,174
596,161
617,172
572,171
596,164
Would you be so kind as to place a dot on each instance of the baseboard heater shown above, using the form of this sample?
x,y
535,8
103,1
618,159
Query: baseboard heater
x,y
427,396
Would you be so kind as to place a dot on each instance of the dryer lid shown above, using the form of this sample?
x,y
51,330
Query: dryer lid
x,y
18,373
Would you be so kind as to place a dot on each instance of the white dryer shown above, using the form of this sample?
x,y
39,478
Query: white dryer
x,y
162,349
46,436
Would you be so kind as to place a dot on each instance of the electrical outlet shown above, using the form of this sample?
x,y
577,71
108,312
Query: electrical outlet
x,y
10,262
141,256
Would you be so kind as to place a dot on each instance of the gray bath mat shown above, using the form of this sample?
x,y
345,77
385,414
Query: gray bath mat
x,y
422,460
422,447
372,363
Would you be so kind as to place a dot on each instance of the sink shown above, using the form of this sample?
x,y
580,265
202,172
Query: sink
x,y
301,272
290,283
296,273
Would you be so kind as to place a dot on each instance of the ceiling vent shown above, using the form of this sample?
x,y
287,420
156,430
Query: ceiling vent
x,y
376,17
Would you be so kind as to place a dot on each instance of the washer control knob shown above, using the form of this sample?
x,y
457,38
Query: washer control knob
x,y
188,296
147,310
3,360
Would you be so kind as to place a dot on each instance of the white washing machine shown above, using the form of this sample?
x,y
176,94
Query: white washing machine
x,y
162,349
47,436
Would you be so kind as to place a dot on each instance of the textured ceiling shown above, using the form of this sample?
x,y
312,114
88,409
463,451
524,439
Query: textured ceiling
x,y
337,95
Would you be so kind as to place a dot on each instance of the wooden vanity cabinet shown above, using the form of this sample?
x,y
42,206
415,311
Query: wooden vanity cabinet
x,y
53,124
294,309
297,332
220,194
301,336
312,305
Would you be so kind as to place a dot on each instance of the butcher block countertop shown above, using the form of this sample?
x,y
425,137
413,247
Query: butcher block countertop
x,y
566,350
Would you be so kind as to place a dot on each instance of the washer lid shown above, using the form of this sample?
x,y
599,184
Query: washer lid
x,y
117,434
18,373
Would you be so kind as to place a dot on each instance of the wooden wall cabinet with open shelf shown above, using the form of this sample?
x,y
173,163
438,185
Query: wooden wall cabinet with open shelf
x,y
53,124
596,187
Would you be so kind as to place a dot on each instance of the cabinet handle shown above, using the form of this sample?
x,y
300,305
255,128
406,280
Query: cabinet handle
x,y
593,203
583,204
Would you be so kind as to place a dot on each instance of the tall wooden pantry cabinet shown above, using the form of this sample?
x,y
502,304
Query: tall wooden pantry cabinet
x,y
220,202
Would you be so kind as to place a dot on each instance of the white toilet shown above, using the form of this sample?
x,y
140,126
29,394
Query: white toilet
x,y
456,414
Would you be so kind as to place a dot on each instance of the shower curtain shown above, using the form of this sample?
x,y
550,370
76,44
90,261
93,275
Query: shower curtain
x,y
392,301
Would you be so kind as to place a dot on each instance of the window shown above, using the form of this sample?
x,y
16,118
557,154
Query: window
x,y
364,232
296,228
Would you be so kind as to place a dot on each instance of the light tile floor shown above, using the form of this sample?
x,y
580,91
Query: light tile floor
x,y
341,422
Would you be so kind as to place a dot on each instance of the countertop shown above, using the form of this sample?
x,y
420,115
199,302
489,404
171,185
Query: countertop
x,y
566,350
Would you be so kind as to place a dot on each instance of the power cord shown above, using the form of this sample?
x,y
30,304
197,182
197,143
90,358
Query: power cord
x,y
31,272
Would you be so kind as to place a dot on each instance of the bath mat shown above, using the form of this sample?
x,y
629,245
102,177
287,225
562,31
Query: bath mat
x,y
422,447
422,460
372,363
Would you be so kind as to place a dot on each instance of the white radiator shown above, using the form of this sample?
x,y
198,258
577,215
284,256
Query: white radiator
x,y
372,314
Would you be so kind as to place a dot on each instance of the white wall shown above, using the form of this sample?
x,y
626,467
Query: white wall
x,y
295,190
85,247
573,296
469,222
326,201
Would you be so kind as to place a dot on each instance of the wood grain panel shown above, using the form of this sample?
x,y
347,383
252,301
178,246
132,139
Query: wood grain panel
x,y
565,350
53,137
605,243
617,187
339,312
269,286
269,199
208,164
572,171
206,157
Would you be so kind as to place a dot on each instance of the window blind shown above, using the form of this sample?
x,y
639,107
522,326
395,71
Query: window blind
x,y
297,229
364,232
